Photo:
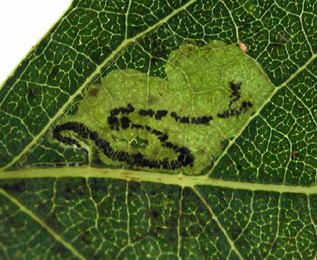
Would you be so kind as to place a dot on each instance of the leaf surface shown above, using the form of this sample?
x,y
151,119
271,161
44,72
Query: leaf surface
x,y
247,191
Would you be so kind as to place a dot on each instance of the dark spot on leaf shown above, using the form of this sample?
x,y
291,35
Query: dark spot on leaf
x,y
294,155
246,105
157,49
160,114
61,164
235,87
67,190
93,92
154,214
148,112
125,122
53,72
32,93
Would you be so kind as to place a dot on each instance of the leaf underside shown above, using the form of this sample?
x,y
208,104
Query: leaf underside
x,y
257,198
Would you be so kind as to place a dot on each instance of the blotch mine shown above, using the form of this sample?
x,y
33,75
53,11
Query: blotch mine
x,y
207,97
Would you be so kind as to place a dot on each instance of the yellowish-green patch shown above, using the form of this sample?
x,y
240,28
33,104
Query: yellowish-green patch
x,y
215,81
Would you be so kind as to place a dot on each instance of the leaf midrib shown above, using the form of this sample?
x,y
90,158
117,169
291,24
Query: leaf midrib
x,y
154,177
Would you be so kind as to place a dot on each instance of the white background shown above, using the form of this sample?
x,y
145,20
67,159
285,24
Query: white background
x,y
22,25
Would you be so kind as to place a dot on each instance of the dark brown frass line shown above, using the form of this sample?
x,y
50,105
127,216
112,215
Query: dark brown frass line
x,y
185,157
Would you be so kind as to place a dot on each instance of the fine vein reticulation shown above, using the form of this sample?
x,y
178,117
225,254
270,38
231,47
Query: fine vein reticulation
x,y
172,61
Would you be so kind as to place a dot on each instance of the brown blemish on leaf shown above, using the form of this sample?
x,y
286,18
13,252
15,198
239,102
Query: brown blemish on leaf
x,y
294,155
53,72
32,93
93,92
134,179
202,151
154,214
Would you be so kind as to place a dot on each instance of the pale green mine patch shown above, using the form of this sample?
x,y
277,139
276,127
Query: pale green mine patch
x,y
199,83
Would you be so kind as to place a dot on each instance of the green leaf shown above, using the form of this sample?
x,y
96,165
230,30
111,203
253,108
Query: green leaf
x,y
163,130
